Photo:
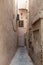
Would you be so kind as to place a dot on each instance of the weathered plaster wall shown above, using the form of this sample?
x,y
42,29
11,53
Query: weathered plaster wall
x,y
35,9
8,38
36,27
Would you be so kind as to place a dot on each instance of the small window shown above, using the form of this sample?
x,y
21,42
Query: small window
x,y
21,24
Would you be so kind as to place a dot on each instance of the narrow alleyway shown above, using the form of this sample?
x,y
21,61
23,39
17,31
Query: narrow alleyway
x,y
21,57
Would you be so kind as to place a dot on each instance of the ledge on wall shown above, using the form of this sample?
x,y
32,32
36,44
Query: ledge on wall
x,y
37,17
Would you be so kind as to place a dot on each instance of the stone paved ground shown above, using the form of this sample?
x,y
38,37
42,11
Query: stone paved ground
x,y
21,57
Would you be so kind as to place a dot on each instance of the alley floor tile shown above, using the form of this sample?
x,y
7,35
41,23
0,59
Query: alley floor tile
x,y
21,57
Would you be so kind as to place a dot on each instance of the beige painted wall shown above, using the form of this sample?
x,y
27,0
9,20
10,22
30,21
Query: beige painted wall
x,y
8,38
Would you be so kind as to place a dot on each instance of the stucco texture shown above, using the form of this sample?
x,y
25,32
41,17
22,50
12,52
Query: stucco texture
x,y
8,36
